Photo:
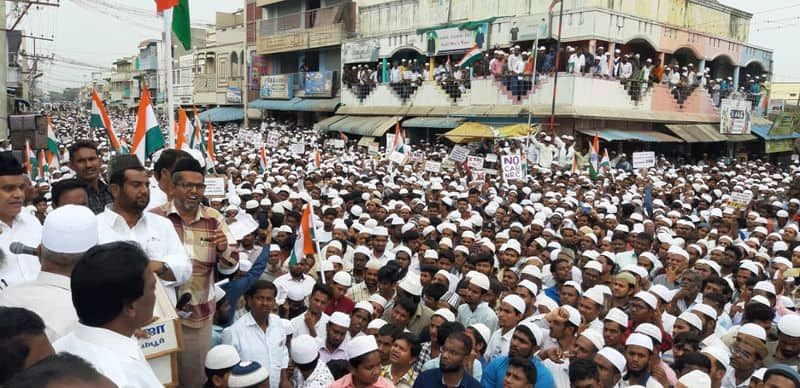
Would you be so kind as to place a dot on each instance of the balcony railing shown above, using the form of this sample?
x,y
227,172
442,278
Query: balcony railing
x,y
319,17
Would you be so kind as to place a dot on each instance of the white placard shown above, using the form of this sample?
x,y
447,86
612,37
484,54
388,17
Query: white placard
x,y
491,158
432,166
298,148
740,200
417,156
215,186
645,159
274,139
336,143
479,176
398,157
475,162
512,167
459,153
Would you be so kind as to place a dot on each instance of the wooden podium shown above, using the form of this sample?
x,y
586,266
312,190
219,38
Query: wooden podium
x,y
166,340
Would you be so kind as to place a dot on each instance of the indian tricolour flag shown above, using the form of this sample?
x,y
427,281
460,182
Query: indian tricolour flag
x,y
605,162
181,142
31,164
42,169
99,119
594,162
147,137
53,153
263,162
194,139
471,56
304,244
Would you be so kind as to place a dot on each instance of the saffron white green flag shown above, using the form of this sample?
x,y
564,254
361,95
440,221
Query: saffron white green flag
x,y
147,138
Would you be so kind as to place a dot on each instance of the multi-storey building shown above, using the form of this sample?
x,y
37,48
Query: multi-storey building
x,y
434,37
298,55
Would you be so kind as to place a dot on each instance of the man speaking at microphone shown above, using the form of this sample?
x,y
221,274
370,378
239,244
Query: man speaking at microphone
x,y
69,232
16,225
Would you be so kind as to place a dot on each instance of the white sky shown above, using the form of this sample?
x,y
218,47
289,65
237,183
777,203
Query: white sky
x,y
99,31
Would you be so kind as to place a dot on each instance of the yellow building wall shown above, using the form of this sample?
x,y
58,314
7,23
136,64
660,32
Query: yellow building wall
x,y
785,91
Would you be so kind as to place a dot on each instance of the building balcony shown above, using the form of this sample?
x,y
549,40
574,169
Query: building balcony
x,y
316,28
578,97
205,83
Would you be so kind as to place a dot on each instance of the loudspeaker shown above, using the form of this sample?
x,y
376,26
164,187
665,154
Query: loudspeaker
x,y
29,127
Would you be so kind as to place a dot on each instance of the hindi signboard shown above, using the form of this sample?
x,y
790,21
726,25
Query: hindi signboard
x,y
318,83
645,159
276,87
735,117
459,153
364,51
512,167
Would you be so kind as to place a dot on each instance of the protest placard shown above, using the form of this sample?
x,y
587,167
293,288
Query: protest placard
x,y
645,159
432,166
459,153
512,167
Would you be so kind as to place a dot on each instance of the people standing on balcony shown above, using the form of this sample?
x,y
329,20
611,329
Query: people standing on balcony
x,y
576,60
496,64
541,58
549,61
513,59
657,74
601,62
626,69
588,61
714,87
394,74
617,70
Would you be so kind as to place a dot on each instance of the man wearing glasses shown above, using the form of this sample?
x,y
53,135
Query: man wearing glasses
x,y
209,244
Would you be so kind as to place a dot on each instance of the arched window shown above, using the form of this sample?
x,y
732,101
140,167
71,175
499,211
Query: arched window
x,y
234,64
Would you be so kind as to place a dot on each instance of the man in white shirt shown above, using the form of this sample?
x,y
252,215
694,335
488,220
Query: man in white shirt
x,y
259,335
314,320
509,315
113,291
296,275
16,225
126,220
69,232
333,346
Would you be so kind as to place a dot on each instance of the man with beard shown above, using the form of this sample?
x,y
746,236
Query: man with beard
x,y
333,345
451,372
84,160
16,225
205,236
787,348
126,220
638,351
524,344
610,365
369,285
314,320
297,275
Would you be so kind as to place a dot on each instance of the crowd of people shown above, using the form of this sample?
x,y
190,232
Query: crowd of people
x,y
405,76
351,270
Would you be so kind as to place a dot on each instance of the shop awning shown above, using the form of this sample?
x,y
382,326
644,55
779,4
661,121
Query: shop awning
x,y
366,141
770,132
469,132
316,104
705,133
364,125
629,134
323,124
222,114
272,104
433,122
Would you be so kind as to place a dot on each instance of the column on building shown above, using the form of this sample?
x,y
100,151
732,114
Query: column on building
x,y
736,77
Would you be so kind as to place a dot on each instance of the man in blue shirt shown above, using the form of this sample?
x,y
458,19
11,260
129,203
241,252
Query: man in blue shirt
x,y
562,271
524,344
451,372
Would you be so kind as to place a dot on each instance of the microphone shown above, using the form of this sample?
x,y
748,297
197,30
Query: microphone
x,y
22,249
183,301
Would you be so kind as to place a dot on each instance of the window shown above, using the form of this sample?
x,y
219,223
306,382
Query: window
x,y
234,64
792,94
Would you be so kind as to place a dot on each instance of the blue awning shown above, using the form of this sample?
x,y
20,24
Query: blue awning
x,y
434,122
297,104
222,114
640,135
316,104
272,104
763,131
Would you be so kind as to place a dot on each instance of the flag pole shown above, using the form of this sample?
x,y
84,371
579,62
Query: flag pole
x,y
316,239
168,76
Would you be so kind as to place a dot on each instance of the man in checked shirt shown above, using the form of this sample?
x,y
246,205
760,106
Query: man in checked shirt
x,y
208,243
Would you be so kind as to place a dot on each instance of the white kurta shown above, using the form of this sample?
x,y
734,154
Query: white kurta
x,y
113,355
19,268
49,296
